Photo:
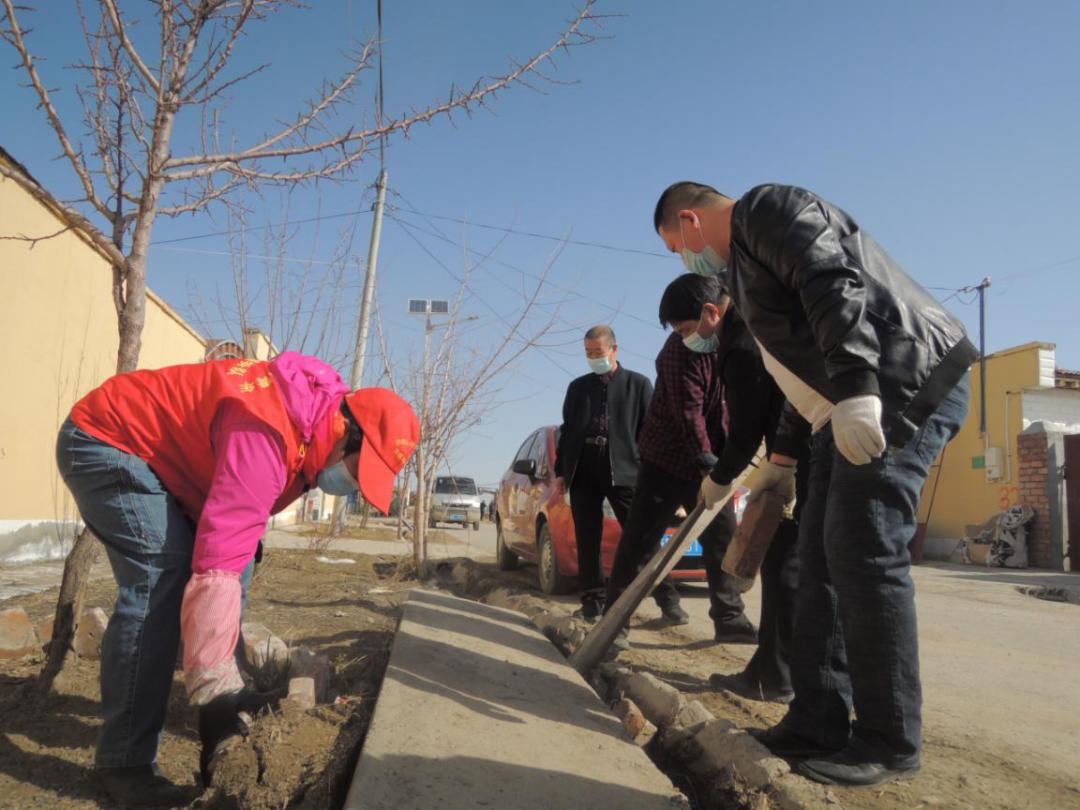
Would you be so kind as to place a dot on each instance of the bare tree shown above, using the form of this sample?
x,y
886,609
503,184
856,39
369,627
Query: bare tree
x,y
462,379
299,302
130,171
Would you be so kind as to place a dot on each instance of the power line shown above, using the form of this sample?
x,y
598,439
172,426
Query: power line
x,y
248,228
532,234
536,277
1039,269
264,257
408,227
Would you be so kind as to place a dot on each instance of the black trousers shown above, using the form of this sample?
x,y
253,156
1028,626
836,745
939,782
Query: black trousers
x,y
771,663
657,497
591,484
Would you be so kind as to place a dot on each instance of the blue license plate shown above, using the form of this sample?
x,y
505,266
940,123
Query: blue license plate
x,y
695,549
457,516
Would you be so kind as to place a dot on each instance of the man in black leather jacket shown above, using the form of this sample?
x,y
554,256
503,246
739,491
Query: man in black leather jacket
x,y
875,368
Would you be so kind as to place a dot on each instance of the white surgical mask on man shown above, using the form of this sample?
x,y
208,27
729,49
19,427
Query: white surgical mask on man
x,y
600,365
701,345
706,262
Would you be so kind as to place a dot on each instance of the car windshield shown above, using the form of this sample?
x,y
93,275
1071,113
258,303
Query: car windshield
x,y
455,486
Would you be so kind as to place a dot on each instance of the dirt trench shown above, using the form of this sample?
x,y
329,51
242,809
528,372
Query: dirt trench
x,y
293,758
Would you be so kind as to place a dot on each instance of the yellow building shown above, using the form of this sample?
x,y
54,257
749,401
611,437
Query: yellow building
x,y
979,474
59,339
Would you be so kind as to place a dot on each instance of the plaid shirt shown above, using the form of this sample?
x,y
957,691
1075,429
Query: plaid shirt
x,y
683,430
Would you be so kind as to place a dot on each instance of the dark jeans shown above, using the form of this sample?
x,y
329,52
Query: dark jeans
x,y
149,542
858,643
592,483
770,665
656,498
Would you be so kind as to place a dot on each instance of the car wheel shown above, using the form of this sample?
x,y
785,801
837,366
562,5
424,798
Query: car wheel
x,y
552,581
505,559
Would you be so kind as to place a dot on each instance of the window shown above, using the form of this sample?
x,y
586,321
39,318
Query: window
x,y
526,446
538,452
451,485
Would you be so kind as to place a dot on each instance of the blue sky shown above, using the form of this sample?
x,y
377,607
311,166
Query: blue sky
x,y
949,130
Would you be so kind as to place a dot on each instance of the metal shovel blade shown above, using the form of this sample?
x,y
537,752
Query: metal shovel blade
x,y
597,642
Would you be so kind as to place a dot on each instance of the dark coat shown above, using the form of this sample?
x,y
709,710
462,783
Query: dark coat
x,y
628,399
833,308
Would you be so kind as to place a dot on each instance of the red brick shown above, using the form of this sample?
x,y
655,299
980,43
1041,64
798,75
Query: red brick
x,y
88,634
17,636
302,692
630,715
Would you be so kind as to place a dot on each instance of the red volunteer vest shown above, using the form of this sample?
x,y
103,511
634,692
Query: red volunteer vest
x,y
164,417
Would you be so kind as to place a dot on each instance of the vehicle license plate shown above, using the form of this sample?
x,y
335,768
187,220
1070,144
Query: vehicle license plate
x,y
695,549
457,516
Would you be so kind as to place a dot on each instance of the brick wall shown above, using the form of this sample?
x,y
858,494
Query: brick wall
x,y
1034,470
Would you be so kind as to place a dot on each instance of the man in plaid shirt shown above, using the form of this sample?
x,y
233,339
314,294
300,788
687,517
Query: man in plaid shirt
x,y
679,443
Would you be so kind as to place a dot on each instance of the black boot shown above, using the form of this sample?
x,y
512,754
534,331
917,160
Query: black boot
x,y
739,630
142,786
592,605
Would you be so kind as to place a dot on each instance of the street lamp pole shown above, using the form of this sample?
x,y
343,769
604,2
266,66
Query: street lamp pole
x,y
426,307
420,514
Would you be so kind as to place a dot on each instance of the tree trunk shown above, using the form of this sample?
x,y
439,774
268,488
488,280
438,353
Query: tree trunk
x,y
86,549
420,516
131,312
84,553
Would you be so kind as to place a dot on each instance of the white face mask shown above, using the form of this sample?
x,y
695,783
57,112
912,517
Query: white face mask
x,y
707,262
701,345
600,365
337,480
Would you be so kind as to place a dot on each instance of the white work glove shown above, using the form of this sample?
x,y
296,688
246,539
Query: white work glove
x,y
856,427
773,477
711,493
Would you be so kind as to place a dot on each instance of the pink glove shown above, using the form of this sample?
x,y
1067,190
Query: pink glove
x,y
210,626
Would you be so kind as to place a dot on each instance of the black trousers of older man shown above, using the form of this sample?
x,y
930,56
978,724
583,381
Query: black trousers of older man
x,y
591,484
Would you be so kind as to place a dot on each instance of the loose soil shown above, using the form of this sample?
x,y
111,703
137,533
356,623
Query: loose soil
x,y
293,758
959,771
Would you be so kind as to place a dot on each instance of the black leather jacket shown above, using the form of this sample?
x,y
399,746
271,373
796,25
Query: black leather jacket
x,y
829,304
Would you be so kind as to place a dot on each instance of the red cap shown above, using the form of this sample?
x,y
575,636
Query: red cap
x,y
391,431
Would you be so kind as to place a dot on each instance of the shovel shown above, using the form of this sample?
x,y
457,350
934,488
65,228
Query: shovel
x,y
597,642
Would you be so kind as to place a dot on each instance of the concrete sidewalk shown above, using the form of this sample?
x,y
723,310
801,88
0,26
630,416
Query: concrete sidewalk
x,y
478,709
476,545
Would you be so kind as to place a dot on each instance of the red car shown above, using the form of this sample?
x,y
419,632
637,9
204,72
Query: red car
x,y
533,523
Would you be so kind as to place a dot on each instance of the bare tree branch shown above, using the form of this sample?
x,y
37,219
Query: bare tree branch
x,y
33,240
478,96
113,14
13,34
66,214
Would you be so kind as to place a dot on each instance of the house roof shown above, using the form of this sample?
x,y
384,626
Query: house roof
x,y
1065,378
6,156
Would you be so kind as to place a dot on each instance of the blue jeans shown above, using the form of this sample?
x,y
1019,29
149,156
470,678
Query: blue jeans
x,y
856,638
149,542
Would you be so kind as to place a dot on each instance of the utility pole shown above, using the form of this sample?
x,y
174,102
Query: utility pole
x,y
376,228
981,288
369,283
